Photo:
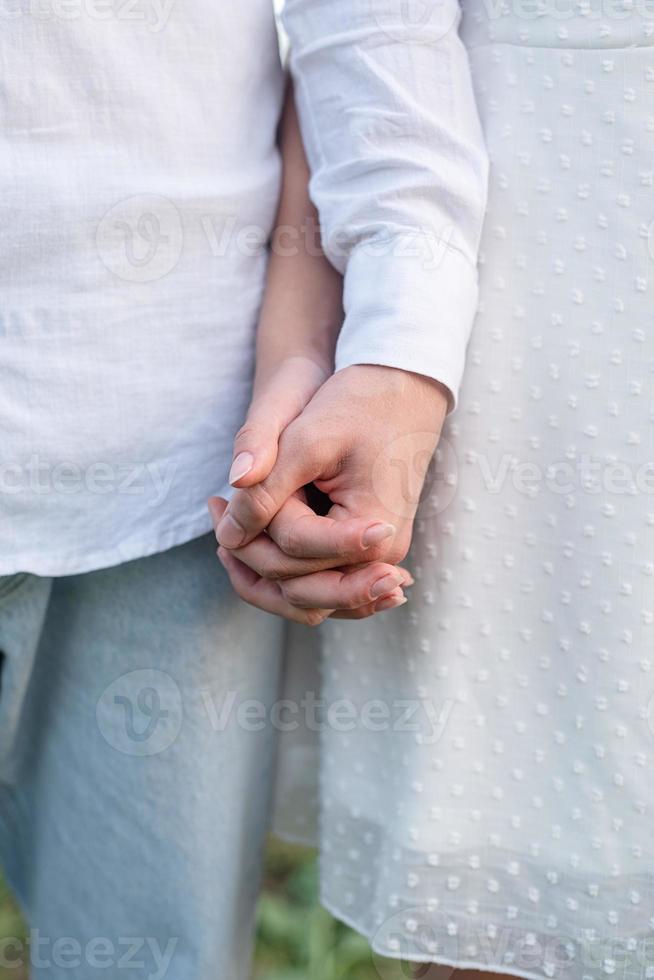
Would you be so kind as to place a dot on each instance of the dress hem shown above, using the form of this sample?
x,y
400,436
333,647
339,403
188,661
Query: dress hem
x,y
497,968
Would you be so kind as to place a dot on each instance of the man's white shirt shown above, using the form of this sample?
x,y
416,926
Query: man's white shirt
x,y
139,184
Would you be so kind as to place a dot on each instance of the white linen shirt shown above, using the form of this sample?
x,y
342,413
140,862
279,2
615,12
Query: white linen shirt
x,y
138,187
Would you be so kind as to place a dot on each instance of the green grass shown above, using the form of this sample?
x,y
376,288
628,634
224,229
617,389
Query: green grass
x,y
296,938
11,925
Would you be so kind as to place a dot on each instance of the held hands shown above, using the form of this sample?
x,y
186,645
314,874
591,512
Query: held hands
x,y
365,440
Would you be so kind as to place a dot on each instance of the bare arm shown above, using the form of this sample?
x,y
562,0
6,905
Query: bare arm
x,y
300,318
302,309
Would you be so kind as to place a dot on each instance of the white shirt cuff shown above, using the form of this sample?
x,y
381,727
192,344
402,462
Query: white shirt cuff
x,y
409,303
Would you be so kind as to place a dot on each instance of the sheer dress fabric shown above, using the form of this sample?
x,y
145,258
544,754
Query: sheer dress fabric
x,y
496,810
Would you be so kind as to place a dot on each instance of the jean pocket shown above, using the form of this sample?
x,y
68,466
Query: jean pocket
x,y
23,605
11,583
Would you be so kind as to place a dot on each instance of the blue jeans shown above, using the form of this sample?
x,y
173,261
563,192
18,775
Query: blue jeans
x,y
134,779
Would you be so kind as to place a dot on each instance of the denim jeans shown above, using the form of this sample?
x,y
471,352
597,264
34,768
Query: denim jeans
x,y
135,779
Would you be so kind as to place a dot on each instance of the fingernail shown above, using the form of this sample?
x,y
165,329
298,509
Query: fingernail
x,y
229,532
392,602
376,533
215,509
240,467
384,585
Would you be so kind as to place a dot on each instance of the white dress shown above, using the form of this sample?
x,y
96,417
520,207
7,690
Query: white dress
x,y
486,794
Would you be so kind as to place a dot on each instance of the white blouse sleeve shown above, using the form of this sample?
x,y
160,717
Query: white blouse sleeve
x,y
399,171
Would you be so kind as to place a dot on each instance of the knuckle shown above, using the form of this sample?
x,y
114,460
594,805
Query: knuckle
x,y
344,546
285,538
314,617
258,503
292,591
273,568
246,435
291,541
394,555
245,430
362,612
245,594
398,549
300,442
352,599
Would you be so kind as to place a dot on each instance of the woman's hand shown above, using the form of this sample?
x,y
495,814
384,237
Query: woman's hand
x,y
278,399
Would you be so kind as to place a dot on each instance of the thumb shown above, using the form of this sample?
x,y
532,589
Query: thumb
x,y
256,446
251,509
273,408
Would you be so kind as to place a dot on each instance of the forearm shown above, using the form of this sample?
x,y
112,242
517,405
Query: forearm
x,y
302,312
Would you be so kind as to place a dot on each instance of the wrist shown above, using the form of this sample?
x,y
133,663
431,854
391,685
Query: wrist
x,y
311,338
303,371
399,384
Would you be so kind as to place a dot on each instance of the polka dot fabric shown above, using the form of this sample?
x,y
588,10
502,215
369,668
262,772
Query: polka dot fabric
x,y
490,802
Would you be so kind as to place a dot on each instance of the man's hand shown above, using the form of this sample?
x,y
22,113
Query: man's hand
x,y
263,576
365,439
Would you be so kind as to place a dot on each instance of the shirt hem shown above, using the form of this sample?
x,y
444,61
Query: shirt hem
x,y
130,550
